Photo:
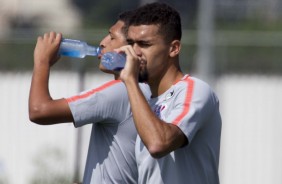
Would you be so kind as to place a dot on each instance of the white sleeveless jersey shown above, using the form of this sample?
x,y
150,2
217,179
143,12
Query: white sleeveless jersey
x,y
191,105
111,157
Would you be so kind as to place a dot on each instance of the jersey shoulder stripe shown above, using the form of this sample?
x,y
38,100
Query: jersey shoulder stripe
x,y
189,94
90,92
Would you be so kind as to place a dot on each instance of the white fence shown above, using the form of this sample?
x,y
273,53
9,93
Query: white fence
x,y
251,151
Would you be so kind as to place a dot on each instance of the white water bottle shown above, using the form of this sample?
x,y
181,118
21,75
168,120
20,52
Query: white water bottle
x,y
77,48
113,61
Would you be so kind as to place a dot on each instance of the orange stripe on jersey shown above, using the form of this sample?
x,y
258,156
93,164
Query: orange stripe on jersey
x,y
188,99
87,94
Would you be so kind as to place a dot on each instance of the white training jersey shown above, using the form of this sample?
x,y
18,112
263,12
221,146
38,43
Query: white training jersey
x,y
111,157
191,105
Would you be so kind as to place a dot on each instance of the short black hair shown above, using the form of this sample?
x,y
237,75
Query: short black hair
x,y
162,15
125,17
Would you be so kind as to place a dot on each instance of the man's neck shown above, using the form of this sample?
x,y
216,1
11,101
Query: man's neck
x,y
161,85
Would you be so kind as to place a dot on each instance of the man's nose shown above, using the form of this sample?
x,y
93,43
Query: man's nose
x,y
137,50
104,42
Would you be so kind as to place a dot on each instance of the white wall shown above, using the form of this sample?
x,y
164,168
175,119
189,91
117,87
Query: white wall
x,y
251,151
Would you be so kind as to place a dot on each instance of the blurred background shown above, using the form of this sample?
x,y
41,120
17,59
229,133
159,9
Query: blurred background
x,y
235,45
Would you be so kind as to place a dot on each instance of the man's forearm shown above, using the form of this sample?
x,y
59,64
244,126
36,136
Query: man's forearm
x,y
42,108
159,137
39,91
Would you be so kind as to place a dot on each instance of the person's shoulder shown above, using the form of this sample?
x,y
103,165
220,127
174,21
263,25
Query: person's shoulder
x,y
204,90
197,84
197,87
113,87
112,84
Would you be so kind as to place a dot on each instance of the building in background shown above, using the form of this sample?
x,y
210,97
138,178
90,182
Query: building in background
x,y
48,15
268,10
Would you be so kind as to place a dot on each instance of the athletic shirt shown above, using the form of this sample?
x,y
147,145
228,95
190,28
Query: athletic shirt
x,y
111,157
191,105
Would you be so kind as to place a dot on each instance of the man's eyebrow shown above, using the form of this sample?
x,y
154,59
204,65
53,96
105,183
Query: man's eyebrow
x,y
110,31
138,41
129,40
111,34
144,41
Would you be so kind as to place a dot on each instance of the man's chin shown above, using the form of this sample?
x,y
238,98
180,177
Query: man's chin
x,y
143,76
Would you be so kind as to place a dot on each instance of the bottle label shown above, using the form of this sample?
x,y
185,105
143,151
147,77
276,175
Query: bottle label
x,y
70,53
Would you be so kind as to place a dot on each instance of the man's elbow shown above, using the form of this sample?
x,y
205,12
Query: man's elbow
x,y
36,115
161,149
157,150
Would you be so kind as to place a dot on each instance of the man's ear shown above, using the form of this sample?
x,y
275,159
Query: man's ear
x,y
175,47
